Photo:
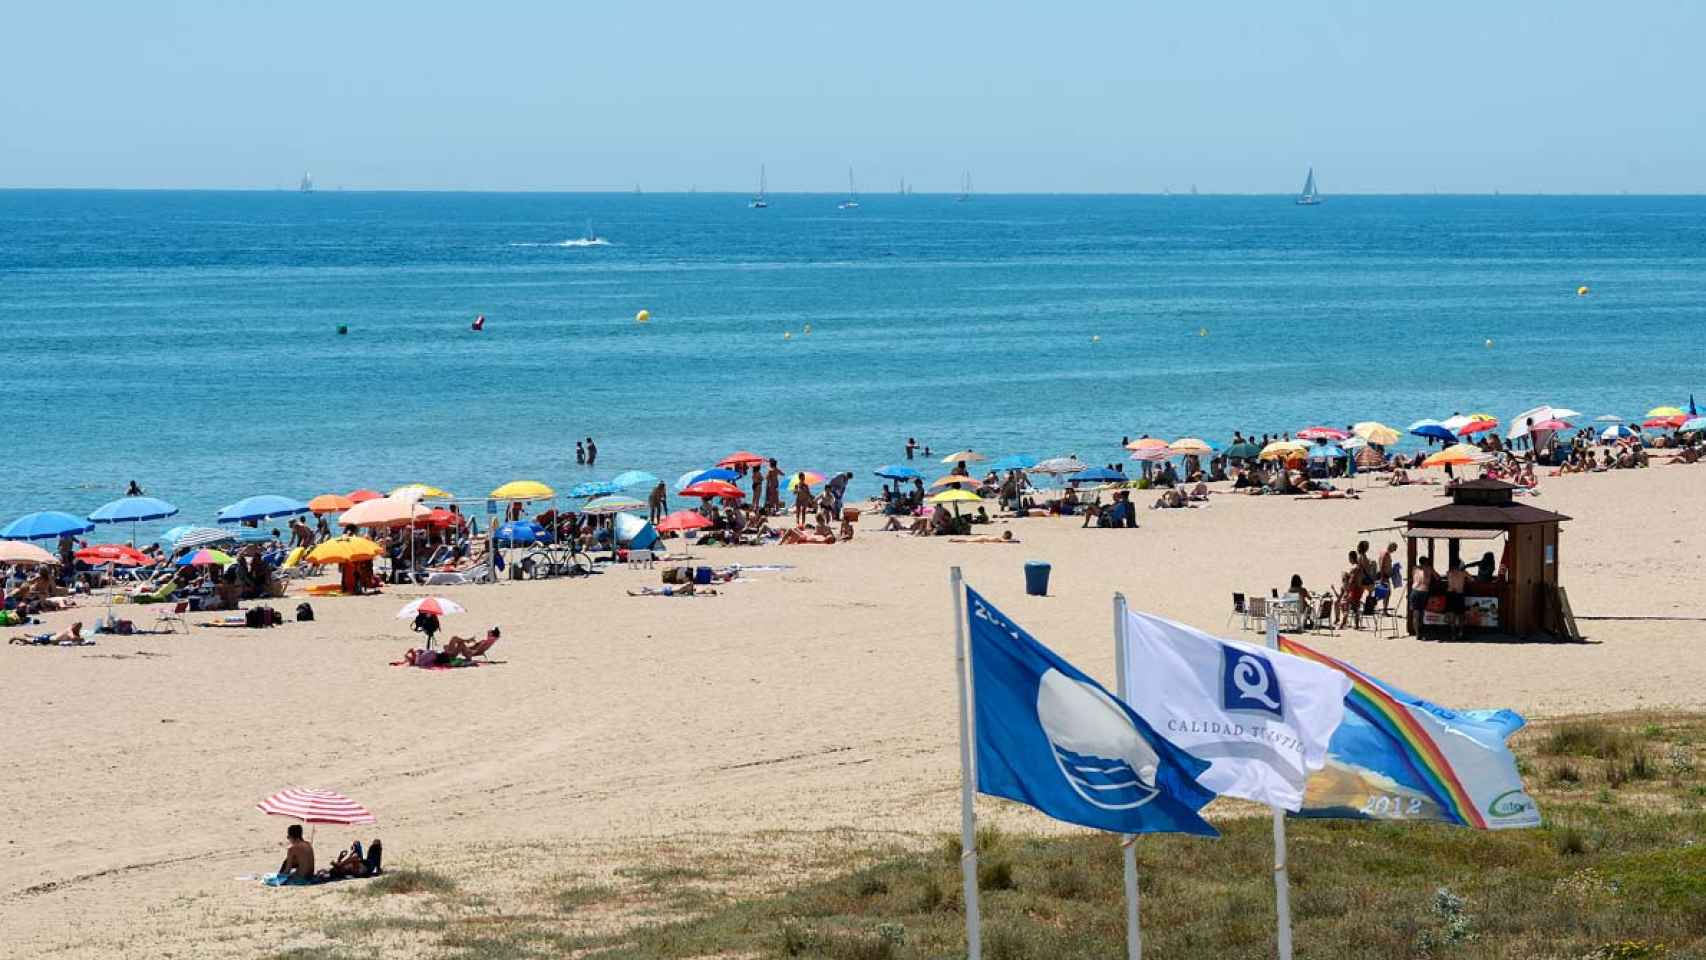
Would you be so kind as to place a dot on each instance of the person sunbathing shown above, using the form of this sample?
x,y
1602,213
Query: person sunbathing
x,y
467,648
917,524
685,590
69,637
1169,500
802,535
1006,537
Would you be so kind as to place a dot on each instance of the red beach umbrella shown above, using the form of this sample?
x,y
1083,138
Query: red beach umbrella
x,y
1322,433
362,496
315,806
682,520
1663,423
707,489
740,458
438,517
114,553
1477,426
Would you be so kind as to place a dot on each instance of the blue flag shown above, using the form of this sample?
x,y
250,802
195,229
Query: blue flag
x,y
1049,736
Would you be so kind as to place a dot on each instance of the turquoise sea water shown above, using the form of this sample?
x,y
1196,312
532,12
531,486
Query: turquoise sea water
x,y
188,340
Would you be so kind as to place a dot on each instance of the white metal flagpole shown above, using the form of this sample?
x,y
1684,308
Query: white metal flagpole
x,y
968,783
1128,848
1282,883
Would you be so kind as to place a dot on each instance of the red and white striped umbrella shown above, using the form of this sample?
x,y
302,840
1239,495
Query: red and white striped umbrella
x,y
315,806
437,606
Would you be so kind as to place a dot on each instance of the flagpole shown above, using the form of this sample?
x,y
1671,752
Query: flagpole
x,y
968,815
1128,848
1282,882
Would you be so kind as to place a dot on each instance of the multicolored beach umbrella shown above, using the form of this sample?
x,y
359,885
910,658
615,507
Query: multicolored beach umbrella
x,y
206,558
189,535
437,606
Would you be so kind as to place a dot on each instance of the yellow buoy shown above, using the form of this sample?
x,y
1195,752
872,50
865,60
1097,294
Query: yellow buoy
x,y
1582,290
644,316
1202,331
787,334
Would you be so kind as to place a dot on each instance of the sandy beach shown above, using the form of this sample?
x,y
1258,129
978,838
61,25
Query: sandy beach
x,y
798,700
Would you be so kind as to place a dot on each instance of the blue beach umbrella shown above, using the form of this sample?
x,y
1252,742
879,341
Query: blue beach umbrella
x,y
1014,461
593,488
895,471
521,533
263,507
133,510
1097,475
45,525
633,478
1327,451
1432,429
691,477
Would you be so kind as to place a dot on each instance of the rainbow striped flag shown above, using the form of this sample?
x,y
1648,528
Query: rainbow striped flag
x,y
1399,757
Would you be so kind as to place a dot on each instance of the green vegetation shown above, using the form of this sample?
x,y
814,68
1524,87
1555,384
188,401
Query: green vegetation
x,y
1617,880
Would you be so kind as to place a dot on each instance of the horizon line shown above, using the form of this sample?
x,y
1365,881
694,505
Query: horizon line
x,y
1166,193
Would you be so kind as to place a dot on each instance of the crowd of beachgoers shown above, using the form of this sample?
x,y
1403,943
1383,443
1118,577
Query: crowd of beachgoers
x,y
749,499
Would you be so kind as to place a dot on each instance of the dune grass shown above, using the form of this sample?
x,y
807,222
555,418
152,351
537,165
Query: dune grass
x,y
1617,873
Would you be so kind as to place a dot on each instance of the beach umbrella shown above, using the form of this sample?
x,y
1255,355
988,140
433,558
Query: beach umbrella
x,y
114,553
1321,433
1477,426
965,456
1618,431
19,551
1456,455
634,478
1664,423
1013,461
611,504
1243,450
1151,454
525,490
133,510
384,512
263,507
1608,418
707,489
362,496
1432,429
740,458
420,491
895,471
206,558
189,535
691,477
1144,442
439,517
1190,446
1327,451
345,549
1666,412
1283,450
1693,424
315,806
1369,458
953,498
1375,432
1097,475
592,488
813,478
437,606
1552,426
521,533
1537,416
682,520
333,503
45,525
1060,466
955,479
1354,443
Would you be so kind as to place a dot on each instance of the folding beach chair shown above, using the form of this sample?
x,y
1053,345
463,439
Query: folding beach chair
x,y
175,616
1240,610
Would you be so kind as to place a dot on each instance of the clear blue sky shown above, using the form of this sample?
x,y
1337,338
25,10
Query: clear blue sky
x,y
1074,97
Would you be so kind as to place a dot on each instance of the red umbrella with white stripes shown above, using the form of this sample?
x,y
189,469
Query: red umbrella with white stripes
x,y
315,806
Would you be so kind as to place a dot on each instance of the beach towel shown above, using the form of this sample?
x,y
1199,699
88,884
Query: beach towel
x,y
453,665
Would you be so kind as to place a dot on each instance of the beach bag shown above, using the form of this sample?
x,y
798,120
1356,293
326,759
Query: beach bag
x,y
304,613
255,617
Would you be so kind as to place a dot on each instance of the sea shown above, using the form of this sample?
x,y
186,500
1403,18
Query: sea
x,y
215,345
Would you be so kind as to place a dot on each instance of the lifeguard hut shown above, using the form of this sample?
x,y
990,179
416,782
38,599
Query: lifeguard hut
x,y
1520,595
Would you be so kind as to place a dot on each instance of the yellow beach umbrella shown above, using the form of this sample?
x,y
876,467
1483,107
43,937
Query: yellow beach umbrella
x,y
1667,412
1457,455
1146,442
1376,432
523,490
1190,445
344,550
954,479
420,491
966,456
1282,450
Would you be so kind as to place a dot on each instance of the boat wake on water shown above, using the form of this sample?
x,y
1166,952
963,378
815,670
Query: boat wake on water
x,y
576,242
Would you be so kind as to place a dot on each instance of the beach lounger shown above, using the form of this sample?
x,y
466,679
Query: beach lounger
x,y
479,573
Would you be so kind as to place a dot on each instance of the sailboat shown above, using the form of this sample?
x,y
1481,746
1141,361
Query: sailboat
x,y
852,201
1309,198
760,202
307,184
965,187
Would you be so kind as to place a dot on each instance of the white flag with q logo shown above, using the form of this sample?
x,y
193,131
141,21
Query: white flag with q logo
x,y
1261,718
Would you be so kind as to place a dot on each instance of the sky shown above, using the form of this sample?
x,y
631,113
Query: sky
x,y
1554,96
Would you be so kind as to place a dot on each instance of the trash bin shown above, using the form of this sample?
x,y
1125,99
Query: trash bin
x,y
1036,578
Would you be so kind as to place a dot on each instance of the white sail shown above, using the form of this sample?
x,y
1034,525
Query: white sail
x,y
852,200
761,201
1309,197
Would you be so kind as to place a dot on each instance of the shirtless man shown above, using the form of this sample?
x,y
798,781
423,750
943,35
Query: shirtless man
x,y
298,865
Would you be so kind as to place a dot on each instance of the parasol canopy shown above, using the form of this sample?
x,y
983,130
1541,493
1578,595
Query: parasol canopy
x,y
524,490
383,512
706,489
266,506
206,558
45,525
683,520
740,458
113,553
611,504
1060,466
1375,432
315,806
437,606
345,549
19,551
1456,455
965,456
333,503
133,510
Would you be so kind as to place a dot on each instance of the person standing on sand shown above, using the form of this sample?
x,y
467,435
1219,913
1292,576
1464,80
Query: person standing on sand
x,y
804,502
591,452
773,489
580,453
757,479
659,502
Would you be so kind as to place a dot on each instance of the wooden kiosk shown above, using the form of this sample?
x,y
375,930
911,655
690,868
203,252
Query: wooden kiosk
x,y
1519,596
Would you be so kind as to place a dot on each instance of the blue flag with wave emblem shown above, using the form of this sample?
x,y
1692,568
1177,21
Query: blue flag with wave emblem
x,y
1051,737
